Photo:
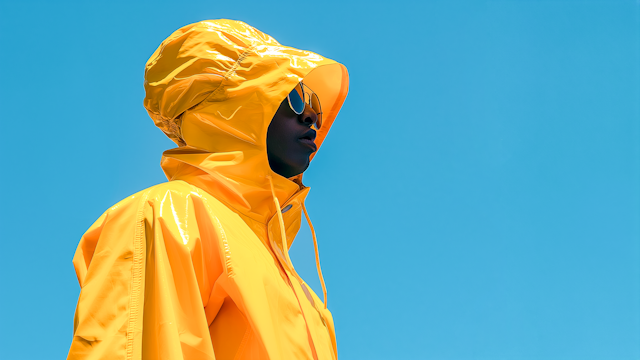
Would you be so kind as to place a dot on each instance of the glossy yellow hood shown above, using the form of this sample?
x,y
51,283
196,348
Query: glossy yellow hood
x,y
213,88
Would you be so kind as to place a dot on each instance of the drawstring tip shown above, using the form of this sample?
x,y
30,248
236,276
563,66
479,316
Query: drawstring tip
x,y
315,245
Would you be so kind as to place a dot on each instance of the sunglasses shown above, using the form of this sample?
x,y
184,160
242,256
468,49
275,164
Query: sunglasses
x,y
301,95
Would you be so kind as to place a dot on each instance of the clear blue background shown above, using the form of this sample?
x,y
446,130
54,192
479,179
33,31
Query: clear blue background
x,y
477,198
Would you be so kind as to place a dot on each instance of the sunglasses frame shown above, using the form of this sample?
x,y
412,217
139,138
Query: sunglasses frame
x,y
308,99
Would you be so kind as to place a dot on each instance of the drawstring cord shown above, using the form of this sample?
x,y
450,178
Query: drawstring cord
x,y
315,245
283,235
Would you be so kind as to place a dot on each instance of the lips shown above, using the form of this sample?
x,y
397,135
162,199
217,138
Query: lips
x,y
308,139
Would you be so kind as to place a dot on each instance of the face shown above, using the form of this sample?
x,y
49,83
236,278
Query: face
x,y
290,140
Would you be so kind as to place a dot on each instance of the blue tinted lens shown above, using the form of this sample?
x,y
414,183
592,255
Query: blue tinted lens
x,y
295,101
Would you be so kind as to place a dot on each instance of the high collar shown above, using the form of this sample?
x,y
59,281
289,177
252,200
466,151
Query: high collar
x,y
241,185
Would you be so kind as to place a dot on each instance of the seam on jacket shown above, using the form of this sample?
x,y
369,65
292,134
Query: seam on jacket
x,y
240,59
136,275
227,251
220,88
225,243
243,344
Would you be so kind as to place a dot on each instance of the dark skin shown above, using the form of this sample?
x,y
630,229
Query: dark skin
x,y
290,140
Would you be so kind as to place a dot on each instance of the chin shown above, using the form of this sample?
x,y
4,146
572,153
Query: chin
x,y
300,168
305,166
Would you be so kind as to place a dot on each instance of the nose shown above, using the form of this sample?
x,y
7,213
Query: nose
x,y
308,116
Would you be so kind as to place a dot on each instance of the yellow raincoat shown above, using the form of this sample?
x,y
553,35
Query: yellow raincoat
x,y
197,267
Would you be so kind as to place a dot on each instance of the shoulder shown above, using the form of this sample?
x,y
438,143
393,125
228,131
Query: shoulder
x,y
149,203
175,208
179,207
176,188
168,192
181,197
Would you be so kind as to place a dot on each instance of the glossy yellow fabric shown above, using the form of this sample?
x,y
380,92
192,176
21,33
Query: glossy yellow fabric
x,y
197,268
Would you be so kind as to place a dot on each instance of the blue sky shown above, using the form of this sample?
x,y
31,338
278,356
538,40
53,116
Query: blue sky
x,y
477,198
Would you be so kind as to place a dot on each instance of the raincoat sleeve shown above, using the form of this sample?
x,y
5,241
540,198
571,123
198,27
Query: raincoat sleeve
x,y
146,269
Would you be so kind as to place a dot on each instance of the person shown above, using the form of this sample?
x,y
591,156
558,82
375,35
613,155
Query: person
x,y
198,267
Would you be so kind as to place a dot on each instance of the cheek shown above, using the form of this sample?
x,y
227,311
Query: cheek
x,y
282,140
